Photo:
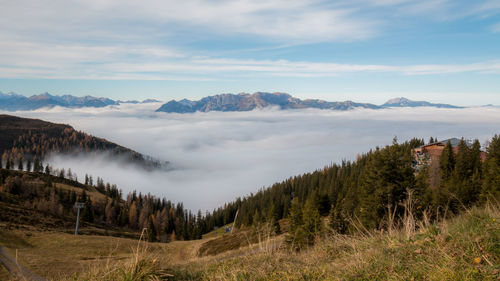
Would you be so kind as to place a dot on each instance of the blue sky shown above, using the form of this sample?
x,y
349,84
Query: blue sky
x,y
362,50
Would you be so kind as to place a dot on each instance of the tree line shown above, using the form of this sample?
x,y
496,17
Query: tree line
x,y
164,220
371,188
32,146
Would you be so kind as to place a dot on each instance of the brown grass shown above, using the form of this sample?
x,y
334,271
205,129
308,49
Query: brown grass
x,y
464,248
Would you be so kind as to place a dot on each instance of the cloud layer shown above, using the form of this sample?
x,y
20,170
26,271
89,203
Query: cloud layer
x,y
219,156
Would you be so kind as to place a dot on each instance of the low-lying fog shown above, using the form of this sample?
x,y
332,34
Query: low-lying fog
x,y
219,156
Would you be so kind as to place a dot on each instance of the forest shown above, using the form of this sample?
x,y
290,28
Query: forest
x,y
49,193
372,189
366,191
26,141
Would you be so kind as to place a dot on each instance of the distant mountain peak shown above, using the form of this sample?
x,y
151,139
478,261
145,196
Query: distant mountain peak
x,y
398,100
404,102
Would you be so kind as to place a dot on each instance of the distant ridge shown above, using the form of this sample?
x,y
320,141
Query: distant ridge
x,y
246,102
220,102
404,102
13,101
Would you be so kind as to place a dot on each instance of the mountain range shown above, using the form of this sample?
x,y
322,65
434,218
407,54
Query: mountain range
x,y
13,101
404,102
246,102
221,102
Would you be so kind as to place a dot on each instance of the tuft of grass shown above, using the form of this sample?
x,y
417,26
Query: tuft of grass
x,y
141,266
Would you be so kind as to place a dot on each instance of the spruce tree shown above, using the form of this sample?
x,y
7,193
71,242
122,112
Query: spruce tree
x,y
20,164
491,184
337,222
312,220
151,230
447,162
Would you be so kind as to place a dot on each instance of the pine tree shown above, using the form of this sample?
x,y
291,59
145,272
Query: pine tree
x,y
447,162
295,215
20,164
151,230
36,165
273,220
312,220
491,184
337,222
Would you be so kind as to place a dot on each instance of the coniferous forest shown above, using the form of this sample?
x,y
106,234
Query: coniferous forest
x,y
364,191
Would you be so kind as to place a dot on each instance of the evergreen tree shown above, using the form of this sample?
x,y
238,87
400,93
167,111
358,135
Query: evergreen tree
x,y
20,164
151,230
491,184
312,220
36,165
273,220
337,222
447,162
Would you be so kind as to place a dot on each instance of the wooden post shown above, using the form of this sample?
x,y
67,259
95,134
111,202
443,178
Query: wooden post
x,y
235,217
78,206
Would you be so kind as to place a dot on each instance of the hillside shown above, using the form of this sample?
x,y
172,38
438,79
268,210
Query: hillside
x,y
463,248
29,139
41,201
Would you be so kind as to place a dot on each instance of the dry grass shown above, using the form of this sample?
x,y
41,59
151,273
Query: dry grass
x,y
464,248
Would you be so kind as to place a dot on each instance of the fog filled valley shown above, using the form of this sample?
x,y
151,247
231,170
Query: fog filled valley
x,y
215,157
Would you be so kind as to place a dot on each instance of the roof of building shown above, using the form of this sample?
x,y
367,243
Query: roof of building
x,y
453,141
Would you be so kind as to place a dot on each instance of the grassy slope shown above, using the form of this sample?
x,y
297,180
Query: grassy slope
x,y
464,248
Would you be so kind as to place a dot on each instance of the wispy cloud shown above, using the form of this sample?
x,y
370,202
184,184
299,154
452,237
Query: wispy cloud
x,y
146,40
29,60
496,28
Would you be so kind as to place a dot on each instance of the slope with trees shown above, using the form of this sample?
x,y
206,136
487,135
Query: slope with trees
x,y
25,141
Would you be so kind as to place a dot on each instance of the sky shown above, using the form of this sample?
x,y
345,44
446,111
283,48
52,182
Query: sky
x,y
361,50
218,156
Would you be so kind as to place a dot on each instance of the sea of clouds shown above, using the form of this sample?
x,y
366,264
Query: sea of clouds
x,y
218,156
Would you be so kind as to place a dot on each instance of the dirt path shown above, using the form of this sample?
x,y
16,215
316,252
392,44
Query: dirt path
x,y
17,270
